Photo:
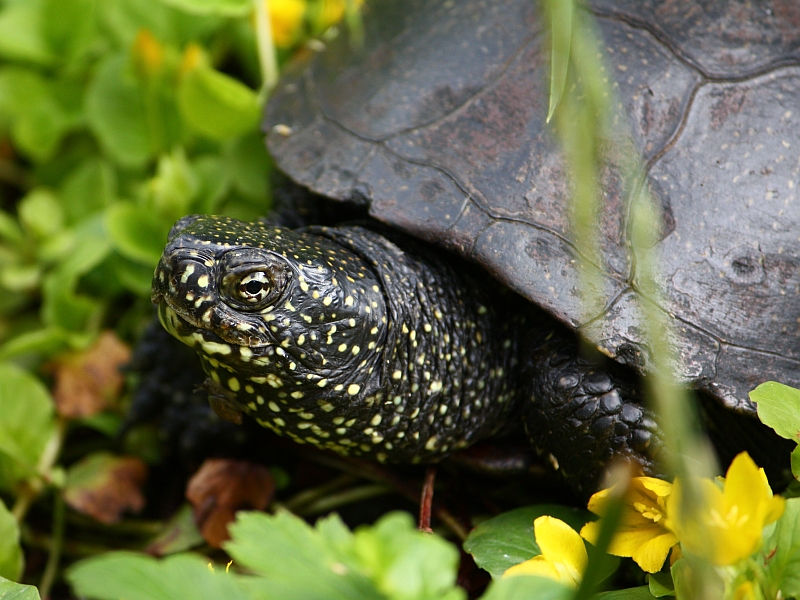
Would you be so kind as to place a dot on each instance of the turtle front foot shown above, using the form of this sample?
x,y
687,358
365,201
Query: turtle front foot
x,y
586,416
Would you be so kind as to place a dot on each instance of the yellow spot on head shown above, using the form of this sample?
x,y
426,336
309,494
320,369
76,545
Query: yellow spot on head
x,y
353,389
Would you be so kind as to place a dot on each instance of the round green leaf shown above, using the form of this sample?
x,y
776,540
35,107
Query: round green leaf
x,y
226,8
27,422
117,115
507,539
779,407
216,105
136,233
15,591
10,551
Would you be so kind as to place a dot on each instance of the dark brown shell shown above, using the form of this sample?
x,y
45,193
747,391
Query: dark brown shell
x,y
438,125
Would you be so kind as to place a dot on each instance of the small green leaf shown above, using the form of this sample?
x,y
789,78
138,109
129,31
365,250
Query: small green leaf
x,y
132,576
46,342
37,119
10,551
247,165
21,32
27,425
778,407
69,26
796,463
781,552
136,233
15,591
507,539
88,189
226,8
180,533
40,212
217,105
661,584
404,563
116,112
171,191
527,587
637,593
561,17
291,556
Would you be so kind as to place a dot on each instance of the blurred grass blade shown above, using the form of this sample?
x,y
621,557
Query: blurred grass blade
x,y
266,48
561,13
355,26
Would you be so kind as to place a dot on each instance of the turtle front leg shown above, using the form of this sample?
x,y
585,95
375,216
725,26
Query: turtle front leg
x,y
584,416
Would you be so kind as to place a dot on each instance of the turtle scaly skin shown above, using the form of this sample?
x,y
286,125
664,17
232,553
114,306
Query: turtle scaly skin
x,y
369,343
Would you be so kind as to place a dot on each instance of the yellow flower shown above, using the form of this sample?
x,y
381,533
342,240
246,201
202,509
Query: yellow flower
x,y
748,591
644,533
286,17
728,524
563,556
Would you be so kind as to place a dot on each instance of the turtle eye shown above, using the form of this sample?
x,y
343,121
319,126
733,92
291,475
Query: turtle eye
x,y
253,288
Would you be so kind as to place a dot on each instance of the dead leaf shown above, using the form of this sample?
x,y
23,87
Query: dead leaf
x,y
87,382
220,488
104,486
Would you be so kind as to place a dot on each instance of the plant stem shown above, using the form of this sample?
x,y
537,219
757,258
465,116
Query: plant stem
x,y
266,49
56,546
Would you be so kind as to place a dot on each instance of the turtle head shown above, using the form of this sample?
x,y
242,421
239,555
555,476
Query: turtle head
x,y
274,313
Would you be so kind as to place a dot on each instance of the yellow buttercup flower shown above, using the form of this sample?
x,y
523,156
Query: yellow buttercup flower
x,y
643,533
563,556
286,17
728,524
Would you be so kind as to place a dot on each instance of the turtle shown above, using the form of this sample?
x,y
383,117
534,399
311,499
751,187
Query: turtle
x,y
457,308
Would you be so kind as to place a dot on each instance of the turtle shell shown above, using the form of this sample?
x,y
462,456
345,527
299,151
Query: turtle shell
x,y
437,124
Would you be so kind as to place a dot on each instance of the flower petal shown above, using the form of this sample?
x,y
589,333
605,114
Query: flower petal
x,y
560,543
650,556
538,565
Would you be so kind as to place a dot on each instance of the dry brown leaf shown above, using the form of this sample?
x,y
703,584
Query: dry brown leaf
x,y
220,488
87,382
104,486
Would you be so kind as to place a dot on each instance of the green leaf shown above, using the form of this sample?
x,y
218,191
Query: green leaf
x,y
180,533
213,183
779,407
781,552
637,593
404,563
561,17
69,26
46,342
27,425
217,105
14,591
10,551
226,8
37,118
796,462
291,556
118,116
136,233
527,587
62,307
134,276
132,576
124,19
171,191
40,212
660,584
21,33
507,539
247,165
88,189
